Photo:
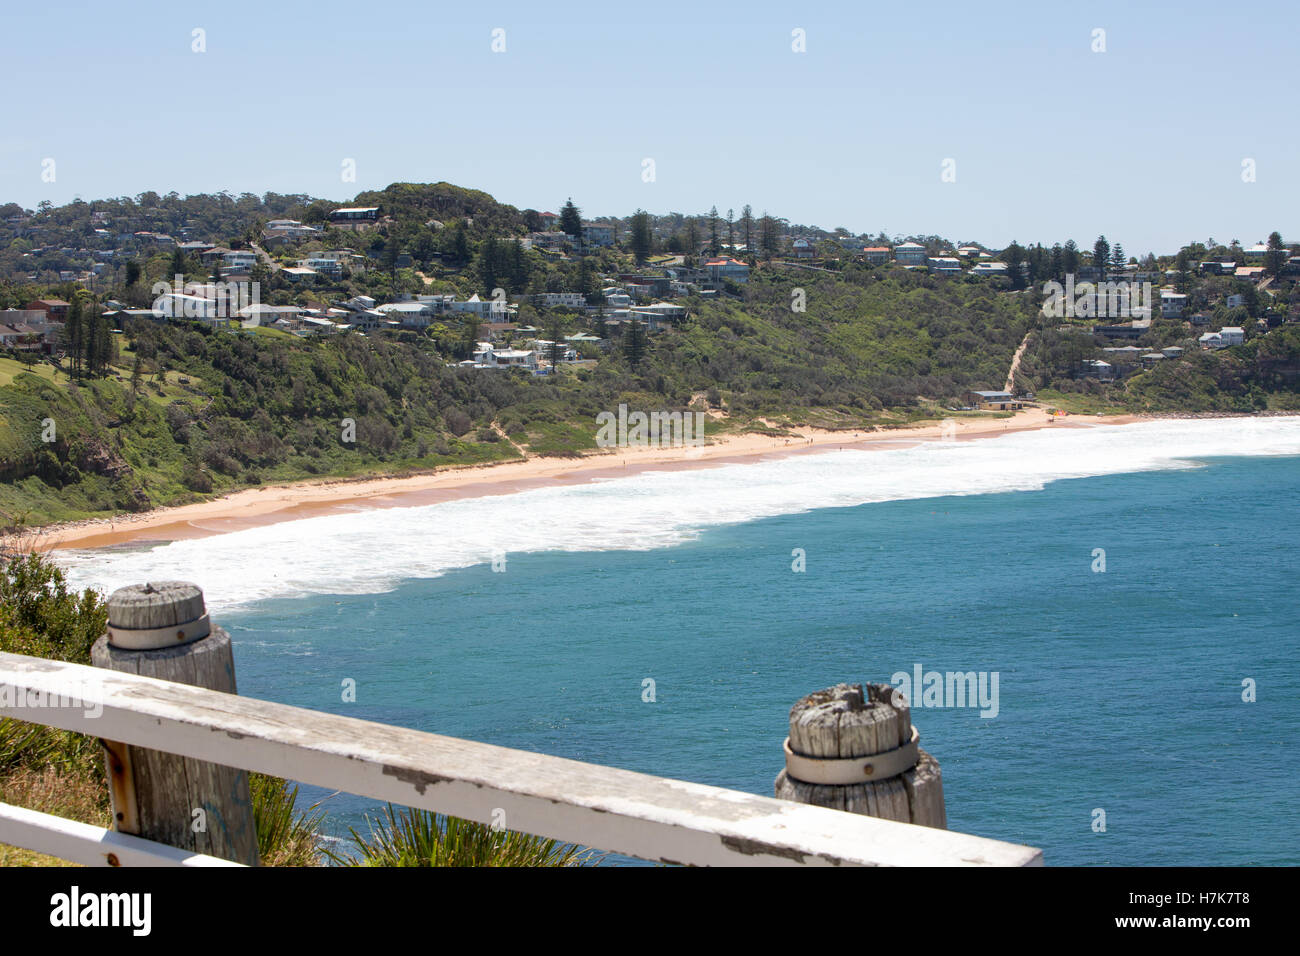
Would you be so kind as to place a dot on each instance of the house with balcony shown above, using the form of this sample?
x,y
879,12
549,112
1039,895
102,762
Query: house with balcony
x,y
56,310
876,255
725,268
910,254
555,300
299,275
355,218
597,234
328,267
238,262
1172,304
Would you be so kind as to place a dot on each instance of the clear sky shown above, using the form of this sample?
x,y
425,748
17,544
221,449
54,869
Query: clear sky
x,y
1144,142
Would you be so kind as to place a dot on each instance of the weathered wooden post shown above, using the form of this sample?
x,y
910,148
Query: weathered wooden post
x,y
162,630
860,753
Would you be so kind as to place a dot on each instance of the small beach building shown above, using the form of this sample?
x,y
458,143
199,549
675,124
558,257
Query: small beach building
x,y
996,401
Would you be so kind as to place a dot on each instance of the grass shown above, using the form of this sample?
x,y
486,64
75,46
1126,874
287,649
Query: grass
x,y
12,368
1077,403
420,838
285,837
71,797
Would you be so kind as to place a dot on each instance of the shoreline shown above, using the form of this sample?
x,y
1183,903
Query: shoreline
x,y
271,504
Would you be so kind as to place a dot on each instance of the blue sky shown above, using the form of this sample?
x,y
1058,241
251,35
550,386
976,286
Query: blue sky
x,y
1143,142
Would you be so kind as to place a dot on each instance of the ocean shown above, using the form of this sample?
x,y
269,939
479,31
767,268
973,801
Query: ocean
x,y
1128,590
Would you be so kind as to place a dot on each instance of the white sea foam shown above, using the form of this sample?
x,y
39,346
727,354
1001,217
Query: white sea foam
x,y
371,551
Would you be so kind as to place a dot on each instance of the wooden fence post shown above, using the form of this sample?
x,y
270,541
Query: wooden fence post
x,y
162,630
856,752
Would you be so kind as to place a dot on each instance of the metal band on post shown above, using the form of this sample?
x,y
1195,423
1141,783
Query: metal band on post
x,y
143,639
844,771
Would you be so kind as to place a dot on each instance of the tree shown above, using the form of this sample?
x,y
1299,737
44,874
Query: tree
x,y
555,351
74,331
1180,264
392,250
641,236
469,335
1101,255
1070,256
571,220
489,266
1014,257
747,229
731,232
769,238
634,343
178,262
519,266
1275,256
587,280
460,244
1117,258
713,230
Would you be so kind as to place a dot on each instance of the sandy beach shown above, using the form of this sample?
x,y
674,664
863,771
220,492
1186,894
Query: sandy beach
x,y
274,503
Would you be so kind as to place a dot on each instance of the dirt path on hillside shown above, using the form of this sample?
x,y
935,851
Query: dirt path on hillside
x,y
1015,362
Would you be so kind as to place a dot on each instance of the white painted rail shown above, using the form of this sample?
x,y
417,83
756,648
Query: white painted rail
x,y
90,845
636,814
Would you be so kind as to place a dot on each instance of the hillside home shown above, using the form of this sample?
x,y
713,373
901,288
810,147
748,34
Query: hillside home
x,y
355,218
487,355
56,310
1172,304
910,254
238,262
553,300
329,267
876,255
725,268
597,234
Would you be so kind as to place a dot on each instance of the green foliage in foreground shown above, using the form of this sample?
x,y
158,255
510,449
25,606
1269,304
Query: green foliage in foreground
x,y
420,838
40,617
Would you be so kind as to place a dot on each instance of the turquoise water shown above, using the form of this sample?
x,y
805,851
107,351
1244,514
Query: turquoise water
x,y
1119,691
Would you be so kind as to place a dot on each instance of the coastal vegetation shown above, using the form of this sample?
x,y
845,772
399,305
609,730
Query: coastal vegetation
x,y
150,413
60,772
